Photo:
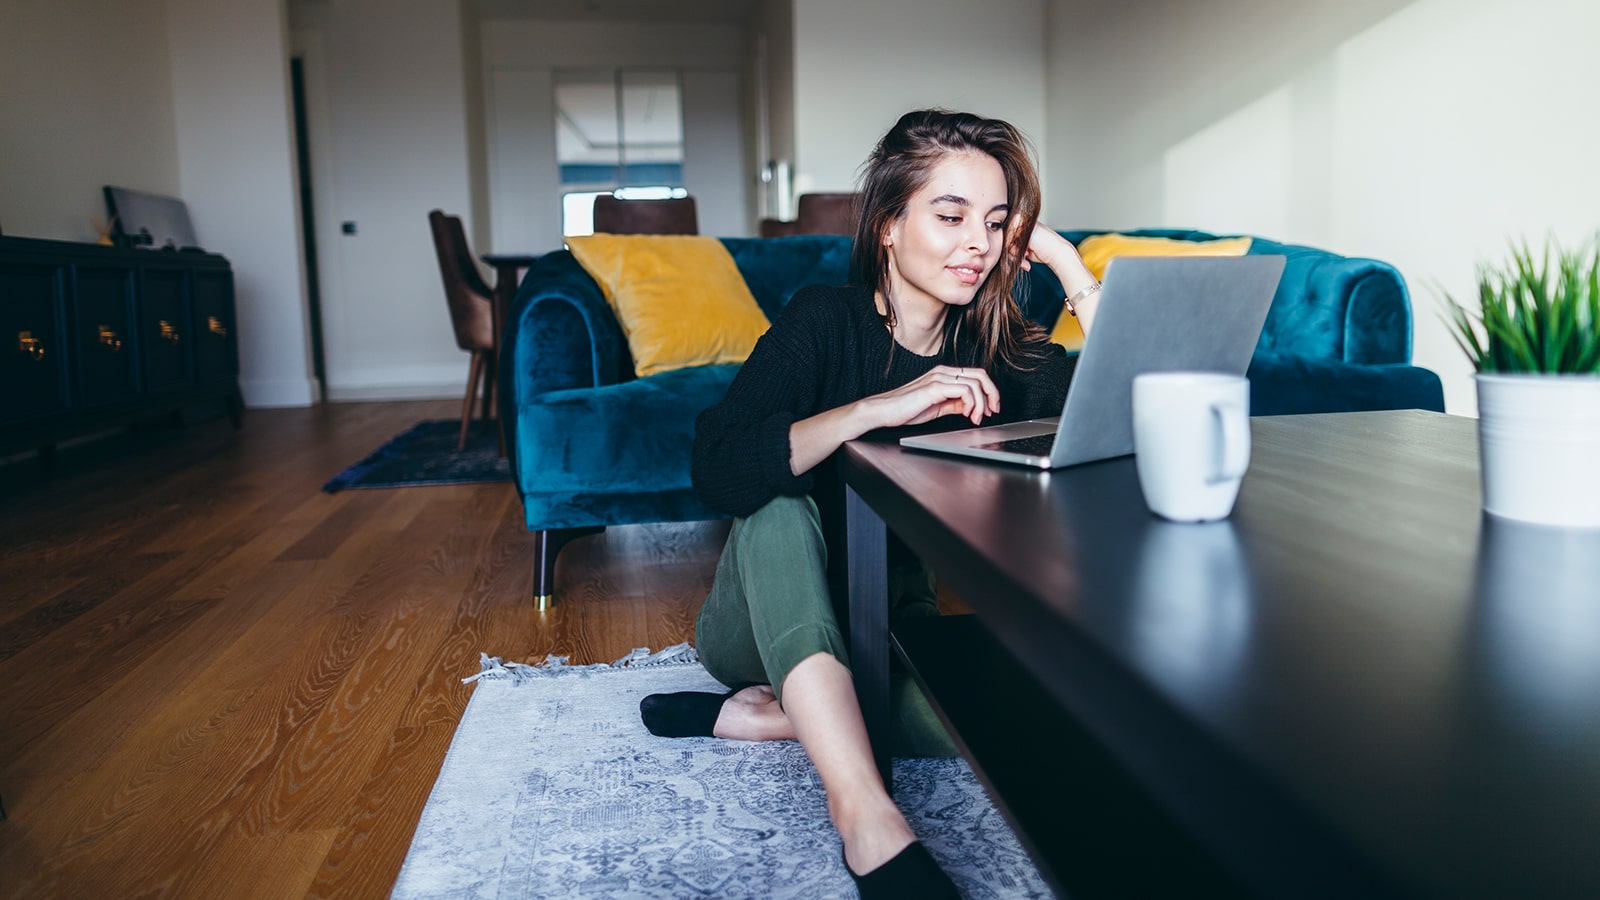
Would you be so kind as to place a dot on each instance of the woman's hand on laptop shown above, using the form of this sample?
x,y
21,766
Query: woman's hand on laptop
x,y
942,391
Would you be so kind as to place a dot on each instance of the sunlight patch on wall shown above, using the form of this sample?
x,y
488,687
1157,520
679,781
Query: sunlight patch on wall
x,y
1237,174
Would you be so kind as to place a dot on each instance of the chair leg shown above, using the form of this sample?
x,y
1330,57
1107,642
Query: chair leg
x,y
490,379
546,547
466,405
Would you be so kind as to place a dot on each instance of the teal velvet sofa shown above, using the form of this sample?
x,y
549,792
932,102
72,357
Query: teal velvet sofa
x,y
592,445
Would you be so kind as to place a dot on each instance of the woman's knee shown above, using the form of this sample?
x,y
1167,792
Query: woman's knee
x,y
789,525
786,512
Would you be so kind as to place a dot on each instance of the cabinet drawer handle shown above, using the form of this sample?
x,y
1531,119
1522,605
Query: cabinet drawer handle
x,y
30,345
110,338
216,326
169,333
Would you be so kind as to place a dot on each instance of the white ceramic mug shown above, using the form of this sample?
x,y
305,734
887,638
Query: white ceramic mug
x,y
1191,434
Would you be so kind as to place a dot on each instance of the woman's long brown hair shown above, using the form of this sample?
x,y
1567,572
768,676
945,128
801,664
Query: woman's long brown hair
x,y
899,166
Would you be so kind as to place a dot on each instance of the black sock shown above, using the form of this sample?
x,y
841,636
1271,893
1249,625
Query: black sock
x,y
910,875
685,713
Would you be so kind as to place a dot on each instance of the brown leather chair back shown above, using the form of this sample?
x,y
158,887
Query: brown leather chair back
x,y
818,214
673,216
827,214
471,306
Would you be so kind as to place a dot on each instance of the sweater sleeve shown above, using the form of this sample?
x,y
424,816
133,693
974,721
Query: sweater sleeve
x,y
741,445
1041,393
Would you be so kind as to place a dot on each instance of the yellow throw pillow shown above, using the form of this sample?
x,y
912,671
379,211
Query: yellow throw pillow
x,y
679,298
1098,250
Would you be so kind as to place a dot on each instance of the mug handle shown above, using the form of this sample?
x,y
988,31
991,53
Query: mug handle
x,y
1233,442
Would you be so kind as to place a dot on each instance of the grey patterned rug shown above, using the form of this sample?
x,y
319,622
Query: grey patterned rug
x,y
553,788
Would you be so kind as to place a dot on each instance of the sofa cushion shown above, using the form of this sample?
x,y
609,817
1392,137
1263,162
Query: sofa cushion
x,y
1296,385
680,299
632,437
1099,250
775,268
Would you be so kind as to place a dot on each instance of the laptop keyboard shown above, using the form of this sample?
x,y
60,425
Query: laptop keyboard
x,y
1038,445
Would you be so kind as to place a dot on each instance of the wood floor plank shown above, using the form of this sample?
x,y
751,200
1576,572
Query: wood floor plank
x,y
122,631
107,724
82,595
223,682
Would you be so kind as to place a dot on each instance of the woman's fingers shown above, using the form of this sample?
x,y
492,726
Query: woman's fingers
x,y
987,395
978,389
942,391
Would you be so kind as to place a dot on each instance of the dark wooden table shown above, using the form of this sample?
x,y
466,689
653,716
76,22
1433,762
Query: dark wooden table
x,y
508,271
1357,686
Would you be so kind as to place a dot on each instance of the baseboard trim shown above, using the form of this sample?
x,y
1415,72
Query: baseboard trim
x,y
364,392
263,394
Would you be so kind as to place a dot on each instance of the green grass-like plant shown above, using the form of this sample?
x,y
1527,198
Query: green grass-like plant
x,y
1533,318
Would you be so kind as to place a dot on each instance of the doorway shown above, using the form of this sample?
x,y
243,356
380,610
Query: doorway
x,y
308,225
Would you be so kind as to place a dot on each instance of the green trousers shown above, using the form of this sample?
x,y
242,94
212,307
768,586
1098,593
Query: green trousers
x,y
769,608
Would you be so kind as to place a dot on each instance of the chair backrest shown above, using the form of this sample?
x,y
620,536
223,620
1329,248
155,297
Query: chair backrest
x,y
818,214
471,305
827,214
672,216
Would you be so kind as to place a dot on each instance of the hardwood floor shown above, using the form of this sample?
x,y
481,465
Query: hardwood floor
x,y
219,681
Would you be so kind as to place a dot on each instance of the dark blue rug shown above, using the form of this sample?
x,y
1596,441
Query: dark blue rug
x,y
427,454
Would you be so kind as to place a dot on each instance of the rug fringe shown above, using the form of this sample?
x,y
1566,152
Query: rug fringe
x,y
493,668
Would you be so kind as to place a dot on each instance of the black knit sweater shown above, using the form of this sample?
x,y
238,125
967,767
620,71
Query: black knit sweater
x,y
829,348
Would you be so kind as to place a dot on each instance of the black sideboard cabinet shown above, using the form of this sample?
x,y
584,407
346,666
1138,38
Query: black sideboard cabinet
x,y
93,337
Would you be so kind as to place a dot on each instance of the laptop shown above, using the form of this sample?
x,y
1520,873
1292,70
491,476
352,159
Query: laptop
x,y
1156,314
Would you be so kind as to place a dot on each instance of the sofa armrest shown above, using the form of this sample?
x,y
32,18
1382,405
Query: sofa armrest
x,y
1378,320
1294,385
560,333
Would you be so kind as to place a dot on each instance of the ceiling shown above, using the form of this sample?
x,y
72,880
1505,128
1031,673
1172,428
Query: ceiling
x,y
736,12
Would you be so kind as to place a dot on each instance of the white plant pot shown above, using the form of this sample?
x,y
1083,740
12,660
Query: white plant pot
x,y
1539,437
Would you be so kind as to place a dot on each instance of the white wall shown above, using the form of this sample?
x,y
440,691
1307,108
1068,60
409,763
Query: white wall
x,y
859,66
185,98
85,101
714,170
1425,133
520,57
230,90
393,87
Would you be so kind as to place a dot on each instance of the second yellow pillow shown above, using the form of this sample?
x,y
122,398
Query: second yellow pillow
x,y
679,298
1098,250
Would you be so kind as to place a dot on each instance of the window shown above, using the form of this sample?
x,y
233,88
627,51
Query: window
x,y
617,131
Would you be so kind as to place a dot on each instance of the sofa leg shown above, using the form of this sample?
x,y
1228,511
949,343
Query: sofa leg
x,y
546,546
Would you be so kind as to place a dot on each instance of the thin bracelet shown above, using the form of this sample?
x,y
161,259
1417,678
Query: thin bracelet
x,y
1073,301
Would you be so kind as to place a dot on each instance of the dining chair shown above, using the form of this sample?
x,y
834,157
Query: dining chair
x,y
817,214
671,216
471,313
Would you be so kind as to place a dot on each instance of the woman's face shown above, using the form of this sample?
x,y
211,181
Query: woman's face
x,y
951,235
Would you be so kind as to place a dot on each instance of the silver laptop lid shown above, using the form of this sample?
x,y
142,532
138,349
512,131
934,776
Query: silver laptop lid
x,y
1155,314
1160,314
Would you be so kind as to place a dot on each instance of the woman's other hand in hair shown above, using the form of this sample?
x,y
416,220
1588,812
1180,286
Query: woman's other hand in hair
x,y
1048,247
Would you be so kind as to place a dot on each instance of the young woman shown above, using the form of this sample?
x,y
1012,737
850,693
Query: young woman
x,y
928,329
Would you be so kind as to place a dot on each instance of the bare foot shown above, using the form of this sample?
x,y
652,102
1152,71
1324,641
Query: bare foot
x,y
753,714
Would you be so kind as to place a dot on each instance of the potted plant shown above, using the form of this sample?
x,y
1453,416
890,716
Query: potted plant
x,y
1535,341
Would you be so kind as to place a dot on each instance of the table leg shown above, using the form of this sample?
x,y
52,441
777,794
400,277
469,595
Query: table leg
x,y
867,567
505,291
